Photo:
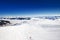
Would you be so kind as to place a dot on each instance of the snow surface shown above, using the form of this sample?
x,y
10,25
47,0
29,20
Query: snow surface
x,y
34,29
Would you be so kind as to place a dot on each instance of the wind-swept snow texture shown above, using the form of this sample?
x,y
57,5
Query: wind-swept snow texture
x,y
34,29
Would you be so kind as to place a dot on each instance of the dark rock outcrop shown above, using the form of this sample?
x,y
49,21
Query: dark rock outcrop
x,y
3,22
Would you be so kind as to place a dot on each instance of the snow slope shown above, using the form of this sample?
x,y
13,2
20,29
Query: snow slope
x,y
34,29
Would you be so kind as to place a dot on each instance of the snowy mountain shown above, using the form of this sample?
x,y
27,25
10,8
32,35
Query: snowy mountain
x,y
37,28
28,18
49,17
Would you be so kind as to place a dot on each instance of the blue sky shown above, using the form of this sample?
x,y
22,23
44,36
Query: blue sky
x,y
29,7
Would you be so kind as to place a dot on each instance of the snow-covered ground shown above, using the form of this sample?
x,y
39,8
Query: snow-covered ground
x,y
34,29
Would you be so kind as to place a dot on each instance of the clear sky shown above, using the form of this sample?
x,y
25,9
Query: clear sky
x,y
29,7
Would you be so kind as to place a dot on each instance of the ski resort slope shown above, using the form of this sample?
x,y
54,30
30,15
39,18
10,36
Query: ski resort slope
x,y
32,30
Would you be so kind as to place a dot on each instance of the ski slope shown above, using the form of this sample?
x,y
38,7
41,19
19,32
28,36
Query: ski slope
x,y
34,29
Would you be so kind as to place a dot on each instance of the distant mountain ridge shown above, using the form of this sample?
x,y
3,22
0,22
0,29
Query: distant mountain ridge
x,y
28,18
49,17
